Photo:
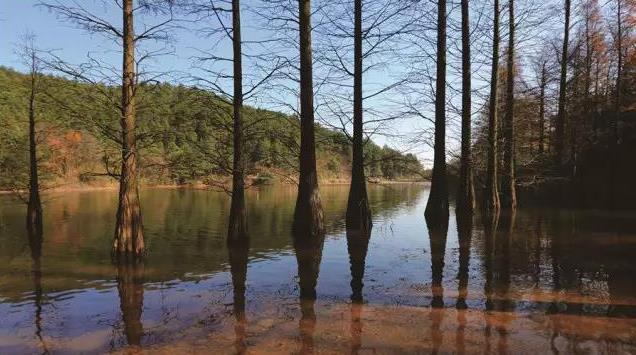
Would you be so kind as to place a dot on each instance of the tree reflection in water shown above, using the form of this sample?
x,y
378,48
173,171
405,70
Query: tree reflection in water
x,y
437,237
36,238
357,246
308,250
130,285
464,236
238,251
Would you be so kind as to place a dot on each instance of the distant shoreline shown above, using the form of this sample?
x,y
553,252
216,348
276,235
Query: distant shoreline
x,y
200,186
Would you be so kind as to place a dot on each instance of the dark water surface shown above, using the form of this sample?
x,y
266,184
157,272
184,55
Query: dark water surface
x,y
539,281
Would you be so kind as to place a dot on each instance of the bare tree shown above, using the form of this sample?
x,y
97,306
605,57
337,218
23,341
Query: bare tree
x,y
437,206
508,190
491,195
358,212
308,215
214,76
34,204
560,119
466,193
129,236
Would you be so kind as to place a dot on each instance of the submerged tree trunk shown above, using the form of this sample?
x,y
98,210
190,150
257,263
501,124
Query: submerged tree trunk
x,y
238,222
358,212
466,193
34,206
308,215
491,196
508,190
560,121
129,236
437,206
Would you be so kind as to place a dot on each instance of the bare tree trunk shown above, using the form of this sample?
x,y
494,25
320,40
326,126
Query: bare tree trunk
x,y
437,206
358,212
491,196
617,107
129,237
542,85
508,190
560,122
238,222
308,215
34,206
466,192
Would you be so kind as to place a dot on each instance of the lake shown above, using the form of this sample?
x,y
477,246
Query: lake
x,y
542,280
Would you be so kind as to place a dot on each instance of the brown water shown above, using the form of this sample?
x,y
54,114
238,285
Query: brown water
x,y
541,281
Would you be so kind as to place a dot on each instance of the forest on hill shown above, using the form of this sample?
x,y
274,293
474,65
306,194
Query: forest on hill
x,y
185,137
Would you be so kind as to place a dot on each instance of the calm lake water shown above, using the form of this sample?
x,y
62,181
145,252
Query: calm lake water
x,y
540,281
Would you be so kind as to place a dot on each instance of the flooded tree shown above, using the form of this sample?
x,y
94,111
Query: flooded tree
x,y
560,119
358,211
238,221
34,205
491,191
238,252
437,206
508,189
466,192
129,236
308,214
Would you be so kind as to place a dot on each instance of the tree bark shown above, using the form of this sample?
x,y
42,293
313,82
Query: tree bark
x,y
129,237
308,215
358,211
34,206
437,206
508,190
491,196
238,221
466,192
560,122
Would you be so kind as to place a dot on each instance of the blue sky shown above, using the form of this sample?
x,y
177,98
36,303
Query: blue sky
x,y
72,44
